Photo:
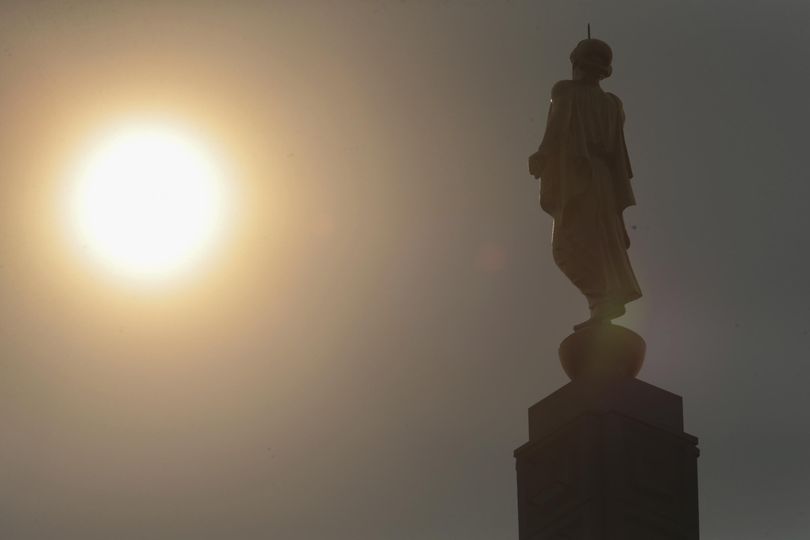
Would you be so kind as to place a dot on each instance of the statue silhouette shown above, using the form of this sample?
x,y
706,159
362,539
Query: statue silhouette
x,y
585,173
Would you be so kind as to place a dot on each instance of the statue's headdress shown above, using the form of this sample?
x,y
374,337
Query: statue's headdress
x,y
594,56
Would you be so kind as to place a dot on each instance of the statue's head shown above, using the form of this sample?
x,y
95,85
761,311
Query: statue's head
x,y
592,57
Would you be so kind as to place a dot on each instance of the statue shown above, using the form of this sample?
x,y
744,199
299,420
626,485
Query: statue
x,y
585,173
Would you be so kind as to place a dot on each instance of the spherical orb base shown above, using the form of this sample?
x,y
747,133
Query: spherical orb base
x,y
602,350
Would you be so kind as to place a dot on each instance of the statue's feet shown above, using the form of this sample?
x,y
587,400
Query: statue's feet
x,y
585,324
602,314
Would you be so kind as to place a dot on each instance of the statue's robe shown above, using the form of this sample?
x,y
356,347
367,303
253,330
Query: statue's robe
x,y
585,177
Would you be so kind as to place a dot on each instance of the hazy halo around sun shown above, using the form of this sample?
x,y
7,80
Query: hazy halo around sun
x,y
148,201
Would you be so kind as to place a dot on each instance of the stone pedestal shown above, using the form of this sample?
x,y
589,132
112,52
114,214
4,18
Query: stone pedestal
x,y
607,459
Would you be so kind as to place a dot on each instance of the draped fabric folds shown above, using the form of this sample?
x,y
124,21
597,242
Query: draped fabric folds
x,y
585,186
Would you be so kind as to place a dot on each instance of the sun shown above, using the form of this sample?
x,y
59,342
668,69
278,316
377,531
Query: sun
x,y
148,201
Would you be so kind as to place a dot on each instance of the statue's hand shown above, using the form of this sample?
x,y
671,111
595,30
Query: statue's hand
x,y
536,164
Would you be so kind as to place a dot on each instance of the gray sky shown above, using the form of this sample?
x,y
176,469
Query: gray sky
x,y
357,364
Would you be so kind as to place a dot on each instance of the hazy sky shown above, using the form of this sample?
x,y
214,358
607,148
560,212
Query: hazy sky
x,y
356,363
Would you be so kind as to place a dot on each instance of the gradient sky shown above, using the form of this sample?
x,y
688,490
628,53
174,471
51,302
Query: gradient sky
x,y
357,362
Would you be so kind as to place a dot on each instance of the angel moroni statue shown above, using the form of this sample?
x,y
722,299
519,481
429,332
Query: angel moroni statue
x,y
585,173
607,455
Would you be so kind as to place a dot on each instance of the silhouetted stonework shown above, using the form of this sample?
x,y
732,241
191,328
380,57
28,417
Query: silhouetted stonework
x,y
607,459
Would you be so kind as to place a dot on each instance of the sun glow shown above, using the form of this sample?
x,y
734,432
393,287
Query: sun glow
x,y
148,201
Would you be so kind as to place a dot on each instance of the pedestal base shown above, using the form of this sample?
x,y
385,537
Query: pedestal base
x,y
607,459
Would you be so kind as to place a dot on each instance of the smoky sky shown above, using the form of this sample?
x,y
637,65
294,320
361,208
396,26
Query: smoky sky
x,y
357,364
